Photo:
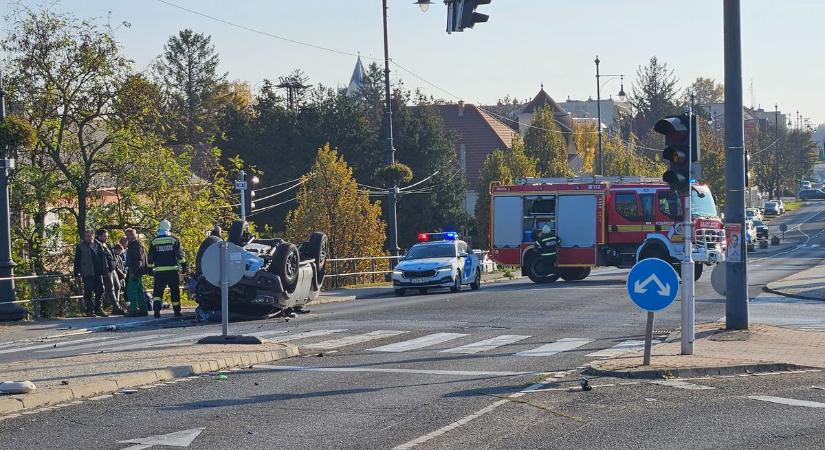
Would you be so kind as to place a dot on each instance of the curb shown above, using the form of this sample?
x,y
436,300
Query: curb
x,y
99,386
695,372
785,294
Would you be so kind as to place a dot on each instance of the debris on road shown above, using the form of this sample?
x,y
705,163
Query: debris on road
x,y
17,387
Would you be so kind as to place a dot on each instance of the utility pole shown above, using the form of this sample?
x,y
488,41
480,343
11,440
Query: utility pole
x,y
392,191
8,309
599,114
736,296
240,185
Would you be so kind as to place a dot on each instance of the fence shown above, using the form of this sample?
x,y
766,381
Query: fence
x,y
49,295
355,271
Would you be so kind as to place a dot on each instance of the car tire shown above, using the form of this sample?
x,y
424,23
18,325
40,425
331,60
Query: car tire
x,y
697,271
476,284
456,287
574,273
286,264
237,231
318,249
400,292
201,250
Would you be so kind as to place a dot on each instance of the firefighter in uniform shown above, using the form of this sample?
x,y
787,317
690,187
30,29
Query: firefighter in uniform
x,y
547,243
167,261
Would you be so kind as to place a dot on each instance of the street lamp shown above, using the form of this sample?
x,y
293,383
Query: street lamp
x,y
599,106
423,4
8,309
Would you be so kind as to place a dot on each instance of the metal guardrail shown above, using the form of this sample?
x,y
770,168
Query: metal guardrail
x,y
357,270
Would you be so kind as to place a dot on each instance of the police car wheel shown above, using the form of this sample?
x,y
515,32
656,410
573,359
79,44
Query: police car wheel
x,y
400,292
286,262
456,287
476,284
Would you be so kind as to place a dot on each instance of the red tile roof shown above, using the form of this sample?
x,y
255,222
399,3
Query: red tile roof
x,y
480,133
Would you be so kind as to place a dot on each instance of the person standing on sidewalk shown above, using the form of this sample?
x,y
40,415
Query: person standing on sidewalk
x,y
136,266
110,282
167,261
87,267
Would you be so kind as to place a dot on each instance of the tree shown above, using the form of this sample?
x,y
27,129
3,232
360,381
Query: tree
x,y
545,142
623,159
703,91
713,160
330,201
188,72
653,95
586,139
66,76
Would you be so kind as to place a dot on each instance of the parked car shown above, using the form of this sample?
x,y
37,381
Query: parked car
x,y
753,214
761,229
811,194
772,209
805,184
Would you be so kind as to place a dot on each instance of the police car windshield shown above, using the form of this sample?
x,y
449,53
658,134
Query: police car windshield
x,y
431,251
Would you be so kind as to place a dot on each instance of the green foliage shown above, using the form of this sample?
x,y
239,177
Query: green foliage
x,y
329,201
586,138
654,94
16,132
545,143
622,158
393,175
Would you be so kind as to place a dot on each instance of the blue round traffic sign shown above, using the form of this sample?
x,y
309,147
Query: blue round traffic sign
x,y
652,284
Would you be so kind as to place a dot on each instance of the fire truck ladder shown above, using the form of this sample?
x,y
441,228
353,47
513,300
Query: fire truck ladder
x,y
595,179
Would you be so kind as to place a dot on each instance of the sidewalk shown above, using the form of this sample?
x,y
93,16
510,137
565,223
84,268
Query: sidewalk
x,y
386,290
808,284
762,348
61,380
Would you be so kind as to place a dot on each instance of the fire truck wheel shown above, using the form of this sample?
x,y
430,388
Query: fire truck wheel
x,y
574,273
539,271
697,271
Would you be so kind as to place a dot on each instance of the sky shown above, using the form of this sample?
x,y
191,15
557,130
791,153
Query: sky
x,y
525,43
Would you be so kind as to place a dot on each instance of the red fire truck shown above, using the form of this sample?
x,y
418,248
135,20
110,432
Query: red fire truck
x,y
600,221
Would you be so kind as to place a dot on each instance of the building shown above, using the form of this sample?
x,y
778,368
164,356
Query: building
x,y
478,133
357,80
612,111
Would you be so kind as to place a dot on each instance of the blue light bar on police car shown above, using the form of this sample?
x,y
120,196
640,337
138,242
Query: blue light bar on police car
x,y
443,236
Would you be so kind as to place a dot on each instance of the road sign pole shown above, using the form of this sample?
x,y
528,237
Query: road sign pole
x,y
241,186
224,290
648,338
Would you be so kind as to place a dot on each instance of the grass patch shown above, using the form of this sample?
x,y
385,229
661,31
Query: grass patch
x,y
792,205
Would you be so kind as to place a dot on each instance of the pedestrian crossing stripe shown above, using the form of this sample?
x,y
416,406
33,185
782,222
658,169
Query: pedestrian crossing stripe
x,y
110,343
352,340
622,348
487,344
294,336
562,345
51,345
417,343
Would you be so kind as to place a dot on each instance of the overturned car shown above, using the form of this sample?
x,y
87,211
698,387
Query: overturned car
x,y
281,277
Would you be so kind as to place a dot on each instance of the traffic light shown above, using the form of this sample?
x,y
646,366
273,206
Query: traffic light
x,y
681,147
462,14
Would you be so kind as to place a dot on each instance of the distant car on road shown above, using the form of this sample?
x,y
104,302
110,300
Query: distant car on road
x,y
811,194
750,234
761,229
753,214
772,208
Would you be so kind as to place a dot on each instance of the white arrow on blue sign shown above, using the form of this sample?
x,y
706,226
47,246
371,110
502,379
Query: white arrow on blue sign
x,y
652,284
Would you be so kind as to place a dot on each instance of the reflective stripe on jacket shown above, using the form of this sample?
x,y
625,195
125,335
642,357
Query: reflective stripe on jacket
x,y
165,254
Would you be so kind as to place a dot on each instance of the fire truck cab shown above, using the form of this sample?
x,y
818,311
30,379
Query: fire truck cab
x,y
600,221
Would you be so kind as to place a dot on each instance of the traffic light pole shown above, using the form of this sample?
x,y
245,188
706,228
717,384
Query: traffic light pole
x,y
688,299
392,191
736,275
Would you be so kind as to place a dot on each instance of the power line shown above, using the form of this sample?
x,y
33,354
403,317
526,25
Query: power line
x,y
275,185
267,208
425,179
283,191
264,33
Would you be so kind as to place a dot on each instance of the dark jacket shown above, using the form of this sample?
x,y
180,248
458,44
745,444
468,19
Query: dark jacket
x,y
165,254
87,259
135,259
107,258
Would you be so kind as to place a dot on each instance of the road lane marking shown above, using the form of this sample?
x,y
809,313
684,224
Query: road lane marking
x,y
621,348
59,345
165,342
787,401
357,339
260,334
562,345
417,343
487,344
304,334
680,384
123,340
466,373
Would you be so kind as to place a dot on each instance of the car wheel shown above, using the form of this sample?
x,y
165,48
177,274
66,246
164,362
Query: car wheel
x,y
697,271
456,287
400,292
476,284
286,262
201,250
237,231
319,249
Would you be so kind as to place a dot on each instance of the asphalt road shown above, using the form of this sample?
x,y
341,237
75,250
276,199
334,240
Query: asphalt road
x,y
439,368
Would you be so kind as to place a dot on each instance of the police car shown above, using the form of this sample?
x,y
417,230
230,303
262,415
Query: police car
x,y
439,260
